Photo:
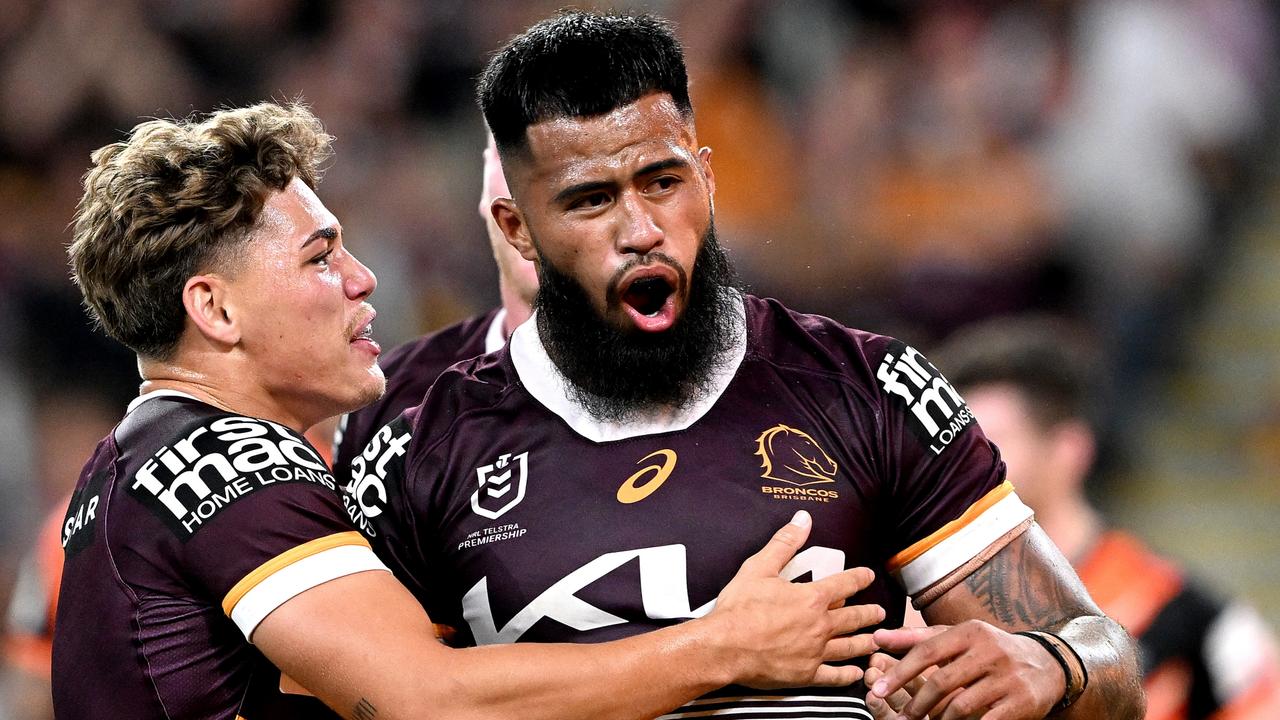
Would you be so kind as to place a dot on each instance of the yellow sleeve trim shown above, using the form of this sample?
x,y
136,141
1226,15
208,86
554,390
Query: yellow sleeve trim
x,y
922,546
285,559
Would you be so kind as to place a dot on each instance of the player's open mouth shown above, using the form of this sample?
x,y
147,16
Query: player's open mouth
x,y
647,295
650,300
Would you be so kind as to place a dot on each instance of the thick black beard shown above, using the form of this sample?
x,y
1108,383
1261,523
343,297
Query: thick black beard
x,y
617,374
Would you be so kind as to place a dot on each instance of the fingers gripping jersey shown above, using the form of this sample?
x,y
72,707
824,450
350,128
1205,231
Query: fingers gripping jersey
x,y
188,526
514,516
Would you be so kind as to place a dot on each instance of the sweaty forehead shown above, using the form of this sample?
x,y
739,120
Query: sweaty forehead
x,y
566,150
293,213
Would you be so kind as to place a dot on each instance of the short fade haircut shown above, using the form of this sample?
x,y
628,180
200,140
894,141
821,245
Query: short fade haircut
x,y
1043,357
175,199
579,64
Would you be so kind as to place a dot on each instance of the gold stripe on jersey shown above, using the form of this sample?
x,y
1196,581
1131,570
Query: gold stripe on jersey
x,y
928,543
284,560
986,523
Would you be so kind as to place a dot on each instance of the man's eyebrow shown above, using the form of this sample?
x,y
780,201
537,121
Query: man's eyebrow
x,y
674,163
328,233
586,187
580,189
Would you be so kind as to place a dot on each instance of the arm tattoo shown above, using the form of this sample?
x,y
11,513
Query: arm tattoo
x,y
364,710
1018,593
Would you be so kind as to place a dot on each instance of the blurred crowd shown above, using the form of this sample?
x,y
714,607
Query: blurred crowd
x,y
905,166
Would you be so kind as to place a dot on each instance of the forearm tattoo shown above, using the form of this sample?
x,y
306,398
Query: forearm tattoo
x,y
1019,593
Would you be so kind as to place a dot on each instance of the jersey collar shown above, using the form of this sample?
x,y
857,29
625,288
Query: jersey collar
x,y
544,382
495,338
154,394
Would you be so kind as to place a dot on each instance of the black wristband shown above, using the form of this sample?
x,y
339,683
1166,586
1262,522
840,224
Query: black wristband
x,y
1075,673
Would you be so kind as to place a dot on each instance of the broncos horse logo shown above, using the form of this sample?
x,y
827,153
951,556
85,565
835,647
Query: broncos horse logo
x,y
791,456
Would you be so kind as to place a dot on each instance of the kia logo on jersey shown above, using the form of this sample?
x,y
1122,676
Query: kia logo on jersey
x,y
502,485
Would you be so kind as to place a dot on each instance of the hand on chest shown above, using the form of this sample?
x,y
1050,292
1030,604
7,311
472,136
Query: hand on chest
x,y
637,532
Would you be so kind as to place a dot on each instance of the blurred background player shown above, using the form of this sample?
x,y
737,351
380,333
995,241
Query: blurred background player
x,y
1204,656
412,367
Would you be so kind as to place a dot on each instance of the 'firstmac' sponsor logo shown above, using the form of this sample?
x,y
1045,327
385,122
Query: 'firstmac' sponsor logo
x,y
188,483
380,463
936,413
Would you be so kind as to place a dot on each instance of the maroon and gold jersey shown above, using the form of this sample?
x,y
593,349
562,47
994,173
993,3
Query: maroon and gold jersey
x,y
515,516
188,526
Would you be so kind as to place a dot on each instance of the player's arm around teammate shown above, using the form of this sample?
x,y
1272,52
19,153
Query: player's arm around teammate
x,y
378,658
975,665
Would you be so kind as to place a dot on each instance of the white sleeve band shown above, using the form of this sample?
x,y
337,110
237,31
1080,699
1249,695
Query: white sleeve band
x,y
293,579
963,545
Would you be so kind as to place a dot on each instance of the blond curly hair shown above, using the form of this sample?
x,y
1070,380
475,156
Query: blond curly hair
x,y
176,199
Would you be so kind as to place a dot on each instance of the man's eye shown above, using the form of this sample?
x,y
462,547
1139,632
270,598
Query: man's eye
x,y
664,183
594,200
323,258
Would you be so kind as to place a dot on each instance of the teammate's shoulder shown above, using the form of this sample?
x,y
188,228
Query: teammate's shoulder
x,y
786,336
430,354
413,367
473,384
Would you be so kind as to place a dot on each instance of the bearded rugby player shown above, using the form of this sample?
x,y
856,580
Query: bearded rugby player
x,y
211,570
601,475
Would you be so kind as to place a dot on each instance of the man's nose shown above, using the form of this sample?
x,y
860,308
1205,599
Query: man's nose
x,y
358,281
640,232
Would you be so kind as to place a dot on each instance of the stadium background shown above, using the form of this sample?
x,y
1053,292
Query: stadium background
x,y
905,167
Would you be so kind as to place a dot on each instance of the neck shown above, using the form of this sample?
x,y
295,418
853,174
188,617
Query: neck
x,y
225,390
1072,524
518,309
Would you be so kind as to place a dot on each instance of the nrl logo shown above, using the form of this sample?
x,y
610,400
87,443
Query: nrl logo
x,y
791,456
500,489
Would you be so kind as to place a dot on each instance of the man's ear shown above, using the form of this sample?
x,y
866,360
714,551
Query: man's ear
x,y
511,222
210,309
704,157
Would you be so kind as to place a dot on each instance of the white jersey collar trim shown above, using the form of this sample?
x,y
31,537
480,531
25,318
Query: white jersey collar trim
x,y
494,339
133,405
544,382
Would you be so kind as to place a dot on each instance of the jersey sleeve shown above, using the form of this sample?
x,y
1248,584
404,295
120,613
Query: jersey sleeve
x,y
255,513
951,505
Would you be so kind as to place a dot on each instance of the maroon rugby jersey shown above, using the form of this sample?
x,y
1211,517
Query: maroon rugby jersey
x,y
514,516
188,526
410,369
